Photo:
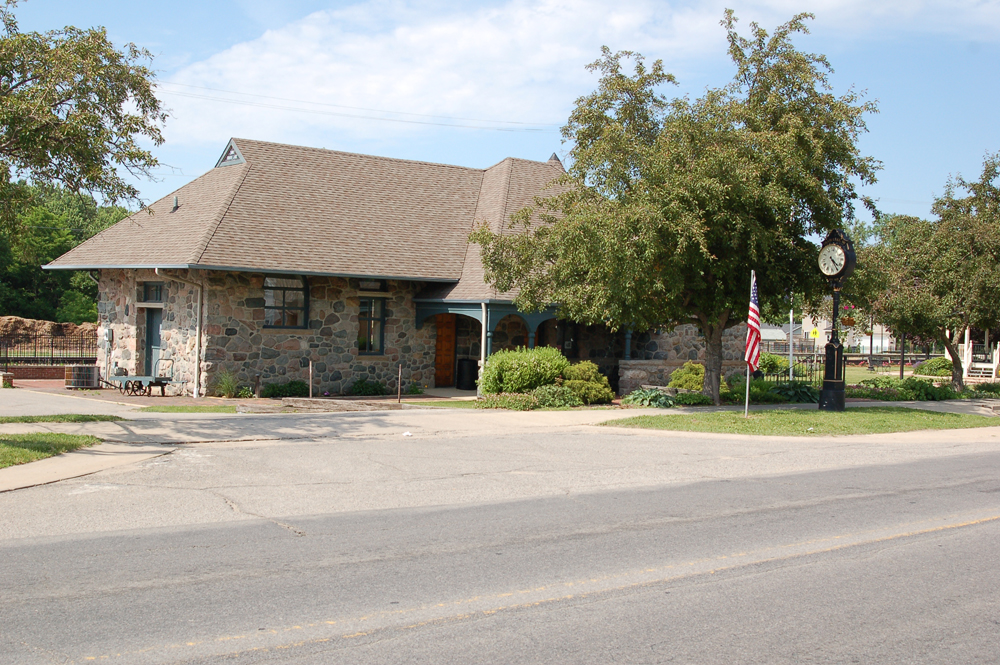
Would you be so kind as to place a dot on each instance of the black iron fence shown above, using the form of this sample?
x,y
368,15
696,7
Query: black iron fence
x,y
39,349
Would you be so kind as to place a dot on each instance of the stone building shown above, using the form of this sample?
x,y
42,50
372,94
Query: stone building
x,y
284,256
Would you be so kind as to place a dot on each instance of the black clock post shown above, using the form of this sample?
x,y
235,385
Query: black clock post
x,y
837,260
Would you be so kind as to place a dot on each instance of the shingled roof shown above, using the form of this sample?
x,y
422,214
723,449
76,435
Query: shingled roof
x,y
268,207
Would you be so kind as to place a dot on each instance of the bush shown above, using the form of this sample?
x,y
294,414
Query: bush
x,y
245,392
367,388
584,371
521,370
649,397
290,389
933,367
993,388
414,389
587,382
797,392
926,391
555,397
872,392
761,392
690,376
592,392
692,399
512,401
226,384
772,364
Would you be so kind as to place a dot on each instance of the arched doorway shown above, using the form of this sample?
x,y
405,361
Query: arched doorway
x,y
459,338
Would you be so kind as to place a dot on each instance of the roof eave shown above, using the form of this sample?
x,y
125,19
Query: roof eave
x,y
270,271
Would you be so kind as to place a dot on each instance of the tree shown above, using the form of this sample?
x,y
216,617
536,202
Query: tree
x,y
59,221
73,110
669,204
935,279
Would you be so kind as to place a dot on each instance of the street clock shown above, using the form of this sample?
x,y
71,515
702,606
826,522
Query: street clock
x,y
836,257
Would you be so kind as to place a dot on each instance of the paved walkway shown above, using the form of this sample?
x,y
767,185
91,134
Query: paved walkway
x,y
147,435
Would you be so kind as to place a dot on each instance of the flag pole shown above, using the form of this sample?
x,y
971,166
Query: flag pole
x,y
746,405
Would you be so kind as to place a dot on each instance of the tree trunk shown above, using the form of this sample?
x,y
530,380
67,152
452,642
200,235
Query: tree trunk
x,y
956,363
713,355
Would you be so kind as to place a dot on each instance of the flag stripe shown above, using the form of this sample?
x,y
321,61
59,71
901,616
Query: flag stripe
x,y
752,355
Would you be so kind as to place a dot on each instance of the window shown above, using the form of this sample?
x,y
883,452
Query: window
x,y
152,292
286,301
371,323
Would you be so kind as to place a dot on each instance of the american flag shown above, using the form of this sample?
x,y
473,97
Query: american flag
x,y
753,327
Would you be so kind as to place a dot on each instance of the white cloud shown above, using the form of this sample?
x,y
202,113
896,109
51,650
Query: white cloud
x,y
516,60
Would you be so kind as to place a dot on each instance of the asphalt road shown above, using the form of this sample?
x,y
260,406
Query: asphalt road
x,y
869,563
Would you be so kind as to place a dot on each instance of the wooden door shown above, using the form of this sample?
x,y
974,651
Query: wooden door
x,y
444,350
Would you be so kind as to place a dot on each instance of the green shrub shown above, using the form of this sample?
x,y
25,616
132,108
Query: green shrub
x,y
414,389
760,392
690,376
246,392
885,394
555,397
993,388
772,364
367,388
592,392
512,401
521,370
226,384
934,367
583,371
692,399
649,397
797,392
926,391
290,389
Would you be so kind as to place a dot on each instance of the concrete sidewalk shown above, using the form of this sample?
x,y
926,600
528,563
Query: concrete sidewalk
x,y
152,434
76,463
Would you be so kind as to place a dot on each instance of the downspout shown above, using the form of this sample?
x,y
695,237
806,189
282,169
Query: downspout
x,y
197,329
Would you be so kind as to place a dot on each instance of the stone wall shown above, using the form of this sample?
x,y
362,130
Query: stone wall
x,y
117,311
656,354
237,341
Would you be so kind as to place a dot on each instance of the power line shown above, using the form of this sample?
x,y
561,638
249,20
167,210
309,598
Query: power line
x,y
358,108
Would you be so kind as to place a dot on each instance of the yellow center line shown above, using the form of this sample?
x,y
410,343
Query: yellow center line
x,y
740,559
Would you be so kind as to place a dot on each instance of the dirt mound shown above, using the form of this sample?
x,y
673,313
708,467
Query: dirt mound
x,y
15,325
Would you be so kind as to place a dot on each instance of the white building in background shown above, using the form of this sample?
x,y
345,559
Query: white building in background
x,y
818,333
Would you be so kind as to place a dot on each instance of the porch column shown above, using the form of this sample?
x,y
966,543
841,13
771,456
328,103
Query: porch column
x,y
967,353
531,340
628,344
482,355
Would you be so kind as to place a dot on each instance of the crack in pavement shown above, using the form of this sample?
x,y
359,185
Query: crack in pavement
x,y
239,511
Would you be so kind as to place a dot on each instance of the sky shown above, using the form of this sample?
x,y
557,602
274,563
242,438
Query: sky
x,y
471,83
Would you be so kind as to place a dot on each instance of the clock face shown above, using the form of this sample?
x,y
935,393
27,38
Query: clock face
x,y
832,259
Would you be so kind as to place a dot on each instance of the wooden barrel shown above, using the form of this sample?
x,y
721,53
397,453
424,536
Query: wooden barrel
x,y
81,376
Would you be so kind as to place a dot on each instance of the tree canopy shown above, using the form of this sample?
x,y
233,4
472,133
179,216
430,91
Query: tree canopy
x,y
934,279
58,221
74,110
668,204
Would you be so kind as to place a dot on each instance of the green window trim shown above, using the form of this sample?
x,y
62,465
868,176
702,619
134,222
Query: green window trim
x,y
371,326
286,302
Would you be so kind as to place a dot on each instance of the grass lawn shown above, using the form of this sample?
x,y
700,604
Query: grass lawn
x,y
218,408
448,404
809,422
23,448
61,418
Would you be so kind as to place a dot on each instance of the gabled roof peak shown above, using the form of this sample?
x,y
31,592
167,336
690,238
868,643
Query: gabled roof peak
x,y
231,156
